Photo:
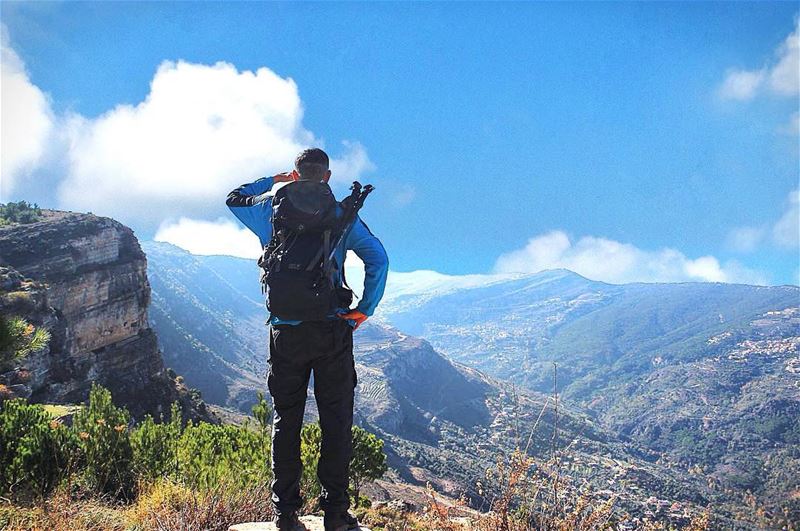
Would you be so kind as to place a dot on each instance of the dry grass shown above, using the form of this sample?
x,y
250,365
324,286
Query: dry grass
x,y
389,519
62,512
163,506
170,507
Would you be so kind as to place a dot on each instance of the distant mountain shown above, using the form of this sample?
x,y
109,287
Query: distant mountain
x,y
447,424
444,423
211,328
704,373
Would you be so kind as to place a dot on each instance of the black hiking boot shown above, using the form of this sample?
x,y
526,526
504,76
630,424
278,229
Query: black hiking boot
x,y
289,522
340,521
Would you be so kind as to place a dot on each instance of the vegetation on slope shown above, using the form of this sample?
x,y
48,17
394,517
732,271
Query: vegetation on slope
x,y
18,338
153,469
19,212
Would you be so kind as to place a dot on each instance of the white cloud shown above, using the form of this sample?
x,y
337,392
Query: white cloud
x,y
354,162
779,77
222,236
611,261
786,232
745,239
420,282
793,126
741,85
26,119
404,195
784,78
200,132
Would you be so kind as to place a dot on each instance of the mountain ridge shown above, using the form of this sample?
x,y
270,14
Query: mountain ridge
x,y
84,279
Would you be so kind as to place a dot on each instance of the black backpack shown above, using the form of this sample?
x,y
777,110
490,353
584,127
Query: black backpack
x,y
298,265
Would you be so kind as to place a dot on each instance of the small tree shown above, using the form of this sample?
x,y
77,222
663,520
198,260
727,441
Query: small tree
x,y
36,451
368,463
262,413
20,212
18,338
104,439
155,446
310,447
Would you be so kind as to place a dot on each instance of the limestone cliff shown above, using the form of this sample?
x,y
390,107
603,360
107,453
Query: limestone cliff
x,y
87,284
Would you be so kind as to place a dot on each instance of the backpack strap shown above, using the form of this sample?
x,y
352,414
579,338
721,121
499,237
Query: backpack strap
x,y
322,253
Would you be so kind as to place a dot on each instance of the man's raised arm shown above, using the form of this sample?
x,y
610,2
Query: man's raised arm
x,y
252,206
376,266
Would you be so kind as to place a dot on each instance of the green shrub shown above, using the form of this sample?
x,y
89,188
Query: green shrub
x,y
104,440
36,451
209,454
19,212
368,463
310,446
110,457
155,446
262,413
19,338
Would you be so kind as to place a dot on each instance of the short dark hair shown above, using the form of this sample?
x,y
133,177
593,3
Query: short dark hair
x,y
312,164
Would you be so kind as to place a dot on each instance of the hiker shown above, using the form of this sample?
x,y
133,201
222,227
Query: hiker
x,y
311,323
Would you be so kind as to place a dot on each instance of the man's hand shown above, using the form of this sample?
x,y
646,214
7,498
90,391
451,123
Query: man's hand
x,y
354,315
286,176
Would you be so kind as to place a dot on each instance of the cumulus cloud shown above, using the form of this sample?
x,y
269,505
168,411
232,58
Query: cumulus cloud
x,y
200,132
222,236
792,127
784,233
26,119
780,76
742,85
784,77
746,239
612,261
350,166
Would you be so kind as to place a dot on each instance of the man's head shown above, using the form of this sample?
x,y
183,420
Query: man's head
x,y
312,165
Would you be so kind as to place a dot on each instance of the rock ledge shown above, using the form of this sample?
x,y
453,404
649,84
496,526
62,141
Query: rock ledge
x,y
311,523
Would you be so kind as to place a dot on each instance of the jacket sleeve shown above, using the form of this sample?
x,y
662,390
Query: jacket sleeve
x,y
376,265
251,204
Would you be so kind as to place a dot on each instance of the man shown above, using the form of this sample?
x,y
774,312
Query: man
x,y
326,347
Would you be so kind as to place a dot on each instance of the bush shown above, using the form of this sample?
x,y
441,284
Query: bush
x,y
310,446
155,447
368,463
111,457
104,440
36,451
19,212
19,338
209,454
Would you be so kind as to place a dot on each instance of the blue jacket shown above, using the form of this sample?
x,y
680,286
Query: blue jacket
x,y
252,204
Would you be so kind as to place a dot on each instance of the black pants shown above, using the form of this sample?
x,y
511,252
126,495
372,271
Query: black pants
x,y
326,347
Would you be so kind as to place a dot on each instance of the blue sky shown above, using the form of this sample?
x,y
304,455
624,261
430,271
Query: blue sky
x,y
635,141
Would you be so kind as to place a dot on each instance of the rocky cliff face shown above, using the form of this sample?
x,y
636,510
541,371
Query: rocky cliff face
x,y
88,285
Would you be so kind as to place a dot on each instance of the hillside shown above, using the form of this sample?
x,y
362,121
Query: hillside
x,y
210,330
444,422
701,377
703,374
